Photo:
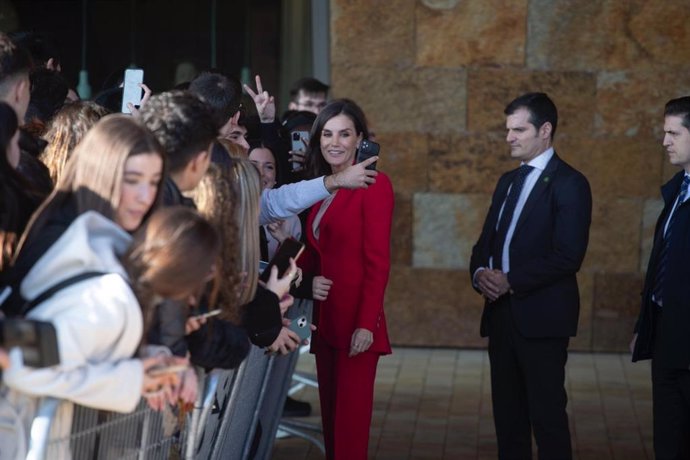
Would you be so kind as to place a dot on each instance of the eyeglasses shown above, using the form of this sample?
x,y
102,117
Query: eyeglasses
x,y
309,104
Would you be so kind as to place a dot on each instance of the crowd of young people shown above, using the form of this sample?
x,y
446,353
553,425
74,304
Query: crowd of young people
x,y
122,230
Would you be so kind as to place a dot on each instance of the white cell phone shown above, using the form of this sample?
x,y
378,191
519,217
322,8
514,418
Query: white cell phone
x,y
209,314
298,140
162,370
131,91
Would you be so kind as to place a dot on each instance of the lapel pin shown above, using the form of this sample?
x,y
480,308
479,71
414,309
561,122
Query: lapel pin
x,y
547,179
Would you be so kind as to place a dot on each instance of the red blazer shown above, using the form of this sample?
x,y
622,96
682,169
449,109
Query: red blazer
x,y
353,250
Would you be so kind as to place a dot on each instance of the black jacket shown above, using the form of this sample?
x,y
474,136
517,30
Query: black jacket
x,y
546,251
673,347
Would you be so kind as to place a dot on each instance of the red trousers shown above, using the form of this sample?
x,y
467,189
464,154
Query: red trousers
x,y
346,392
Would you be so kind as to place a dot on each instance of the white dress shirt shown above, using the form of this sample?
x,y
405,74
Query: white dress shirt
x,y
539,164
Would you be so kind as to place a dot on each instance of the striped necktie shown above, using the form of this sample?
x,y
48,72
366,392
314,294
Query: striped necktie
x,y
662,259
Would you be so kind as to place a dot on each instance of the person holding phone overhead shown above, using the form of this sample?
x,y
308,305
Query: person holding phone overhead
x,y
348,249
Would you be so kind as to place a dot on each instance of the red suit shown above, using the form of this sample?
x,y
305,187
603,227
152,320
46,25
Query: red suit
x,y
353,250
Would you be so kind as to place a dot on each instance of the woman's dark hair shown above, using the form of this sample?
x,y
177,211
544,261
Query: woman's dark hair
x,y
316,164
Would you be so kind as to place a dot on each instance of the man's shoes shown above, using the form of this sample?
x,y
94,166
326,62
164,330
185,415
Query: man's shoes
x,y
294,408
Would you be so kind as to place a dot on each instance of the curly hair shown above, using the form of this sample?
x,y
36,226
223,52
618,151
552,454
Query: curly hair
x,y
216,200
67,128
183,124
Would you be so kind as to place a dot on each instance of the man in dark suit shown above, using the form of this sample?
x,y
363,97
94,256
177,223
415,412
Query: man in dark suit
x,y
662,332
531,246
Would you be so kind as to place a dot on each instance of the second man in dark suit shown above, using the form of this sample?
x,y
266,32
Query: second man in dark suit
x,y
662,331
525,263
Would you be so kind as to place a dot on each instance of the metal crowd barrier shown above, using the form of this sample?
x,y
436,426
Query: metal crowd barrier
x,y
62,430
236,416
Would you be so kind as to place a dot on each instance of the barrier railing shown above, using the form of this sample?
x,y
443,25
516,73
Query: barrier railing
x,y
236,415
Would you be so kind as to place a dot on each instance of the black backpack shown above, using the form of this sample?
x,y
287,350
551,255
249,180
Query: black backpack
x,y
48,293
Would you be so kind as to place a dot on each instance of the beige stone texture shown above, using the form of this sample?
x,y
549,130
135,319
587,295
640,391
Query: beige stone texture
x,y
583,340
614,237
433,77
433,308
631,102
401,232
615,166
405,100
472,33
650,215
468,163
489,90
616,307
446,227
607,34
373,33
405,158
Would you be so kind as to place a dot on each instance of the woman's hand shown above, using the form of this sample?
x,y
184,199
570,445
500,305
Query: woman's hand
x,y
286,342
361,341
320,287
159,388
144,100
189,387
298,158
193,324
277,230
281,286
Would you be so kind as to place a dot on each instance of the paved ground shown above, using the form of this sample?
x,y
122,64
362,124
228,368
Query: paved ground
x,y
436,404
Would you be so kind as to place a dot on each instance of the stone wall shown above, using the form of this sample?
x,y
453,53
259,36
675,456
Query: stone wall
x,y
434,76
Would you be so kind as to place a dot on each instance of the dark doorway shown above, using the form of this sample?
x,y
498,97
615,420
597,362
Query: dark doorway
x,y
158,35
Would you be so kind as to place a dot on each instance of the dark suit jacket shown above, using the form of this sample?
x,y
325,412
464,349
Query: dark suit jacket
x,y
673,348
546,251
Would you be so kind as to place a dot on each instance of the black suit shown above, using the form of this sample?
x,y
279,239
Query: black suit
x,y
529,328
665,337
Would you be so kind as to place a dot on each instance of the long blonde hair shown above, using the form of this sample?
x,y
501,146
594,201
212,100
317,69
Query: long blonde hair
x,y
92,178
66,129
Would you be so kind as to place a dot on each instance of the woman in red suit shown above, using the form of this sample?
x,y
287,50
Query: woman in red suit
x,y
348,247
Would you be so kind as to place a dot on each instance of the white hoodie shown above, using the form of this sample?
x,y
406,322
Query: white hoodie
x,y
98,321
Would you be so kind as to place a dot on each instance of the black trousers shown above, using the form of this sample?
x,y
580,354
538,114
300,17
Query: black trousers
x,y
527,389
671,398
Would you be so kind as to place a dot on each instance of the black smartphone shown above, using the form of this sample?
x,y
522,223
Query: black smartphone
x,y
368,149
291,248
36,339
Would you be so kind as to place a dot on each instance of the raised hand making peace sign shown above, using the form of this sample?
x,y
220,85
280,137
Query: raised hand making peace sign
x,y
265,103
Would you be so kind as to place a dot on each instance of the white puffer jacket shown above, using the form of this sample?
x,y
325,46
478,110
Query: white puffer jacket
x,y
98,322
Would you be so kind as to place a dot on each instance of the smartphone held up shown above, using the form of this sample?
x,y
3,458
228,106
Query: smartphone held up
x,y
289,249
131,89
299,141
366,150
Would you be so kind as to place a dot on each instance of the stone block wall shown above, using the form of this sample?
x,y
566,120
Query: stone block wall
x,y
434,76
